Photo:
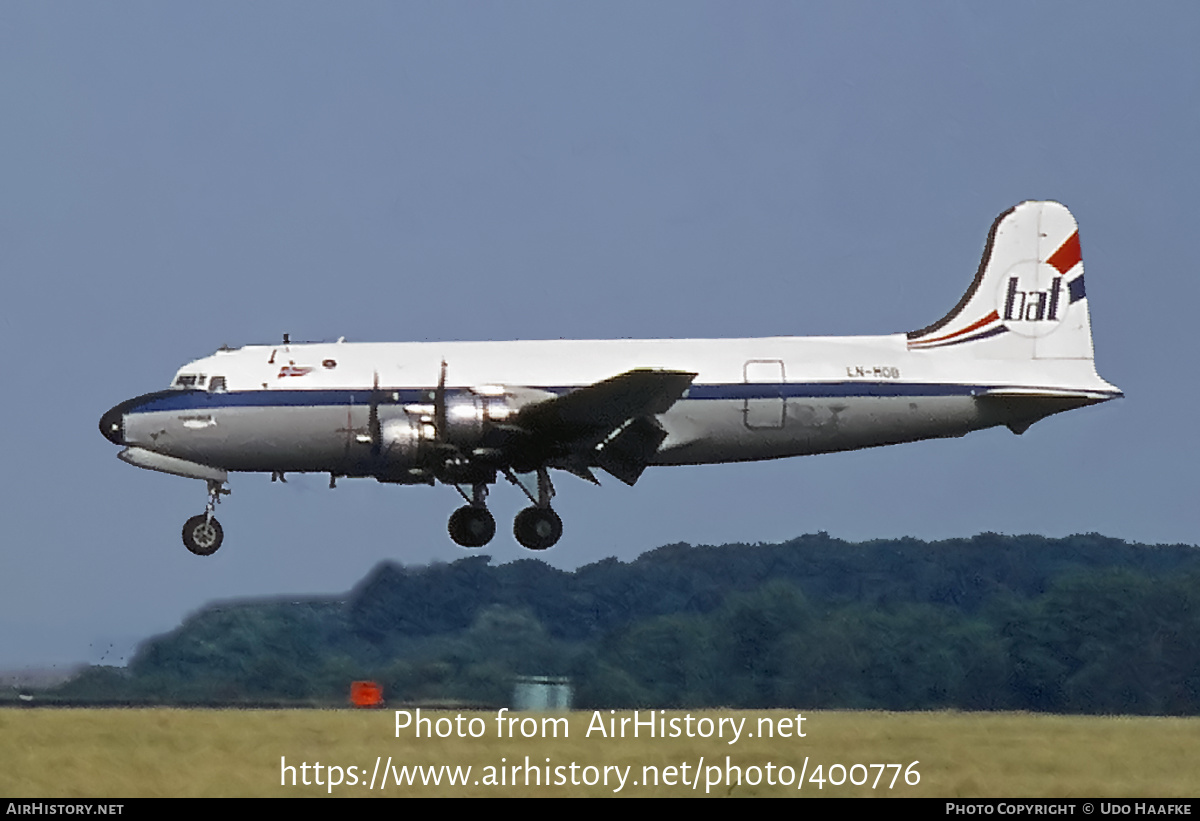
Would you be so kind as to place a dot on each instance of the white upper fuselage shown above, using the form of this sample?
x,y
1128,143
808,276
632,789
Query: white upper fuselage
x,y
562,364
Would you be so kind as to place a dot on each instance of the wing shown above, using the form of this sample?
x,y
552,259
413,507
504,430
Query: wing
x,y
608,424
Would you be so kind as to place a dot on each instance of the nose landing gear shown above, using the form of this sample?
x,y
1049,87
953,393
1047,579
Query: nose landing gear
x,y
203,534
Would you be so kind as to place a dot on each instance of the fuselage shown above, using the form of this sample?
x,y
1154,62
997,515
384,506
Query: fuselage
x,y
305,407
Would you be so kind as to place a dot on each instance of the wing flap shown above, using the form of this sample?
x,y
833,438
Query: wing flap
x,y
627,453
609,424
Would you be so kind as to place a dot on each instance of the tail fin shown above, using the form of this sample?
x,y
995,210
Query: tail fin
x,y
1027,300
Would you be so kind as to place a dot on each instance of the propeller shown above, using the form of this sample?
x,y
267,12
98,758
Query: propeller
x,y
373,427
439,405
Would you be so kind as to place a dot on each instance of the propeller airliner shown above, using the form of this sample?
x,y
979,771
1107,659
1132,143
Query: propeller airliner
x,y
1015,349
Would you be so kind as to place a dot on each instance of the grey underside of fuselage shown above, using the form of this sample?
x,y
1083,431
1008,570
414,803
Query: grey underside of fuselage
x,y
337,439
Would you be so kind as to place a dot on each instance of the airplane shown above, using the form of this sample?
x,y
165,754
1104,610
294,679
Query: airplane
x,y
1015,349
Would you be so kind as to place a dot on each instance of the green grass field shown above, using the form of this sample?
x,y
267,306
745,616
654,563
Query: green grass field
x,y
162,752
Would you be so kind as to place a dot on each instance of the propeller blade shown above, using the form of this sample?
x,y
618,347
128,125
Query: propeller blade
x,y
439,405
373,421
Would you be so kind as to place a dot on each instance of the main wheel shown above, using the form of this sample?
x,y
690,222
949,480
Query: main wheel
x,y
472,526
203,535
537,528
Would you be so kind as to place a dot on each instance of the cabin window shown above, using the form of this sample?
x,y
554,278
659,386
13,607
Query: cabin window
x,y
217,384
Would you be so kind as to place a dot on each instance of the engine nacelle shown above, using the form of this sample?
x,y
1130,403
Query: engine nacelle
x,y
405,441
411,444
470,414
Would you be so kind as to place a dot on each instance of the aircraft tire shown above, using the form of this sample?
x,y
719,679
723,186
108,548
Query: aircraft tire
x,y
472,526
203,535
537,528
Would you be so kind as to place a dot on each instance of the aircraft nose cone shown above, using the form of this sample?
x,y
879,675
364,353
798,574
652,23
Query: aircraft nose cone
x,y
112,425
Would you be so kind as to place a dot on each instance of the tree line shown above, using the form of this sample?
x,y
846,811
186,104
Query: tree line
x,y
1085,624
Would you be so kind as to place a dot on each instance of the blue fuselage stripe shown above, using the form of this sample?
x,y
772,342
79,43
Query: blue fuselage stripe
x,y
192,400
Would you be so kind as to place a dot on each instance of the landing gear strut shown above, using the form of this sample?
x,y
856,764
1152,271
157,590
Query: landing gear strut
x,y
472,525
203,534
537,527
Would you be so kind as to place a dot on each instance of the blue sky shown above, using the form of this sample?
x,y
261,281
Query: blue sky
x,y
176,177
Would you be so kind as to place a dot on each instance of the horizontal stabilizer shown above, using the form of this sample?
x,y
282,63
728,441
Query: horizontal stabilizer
x,y
1018,410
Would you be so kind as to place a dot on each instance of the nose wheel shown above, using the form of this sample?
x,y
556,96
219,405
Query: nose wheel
x,y
203,534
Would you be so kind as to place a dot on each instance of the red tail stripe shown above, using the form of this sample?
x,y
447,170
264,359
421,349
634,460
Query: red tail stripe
x,y
993,316
1068,255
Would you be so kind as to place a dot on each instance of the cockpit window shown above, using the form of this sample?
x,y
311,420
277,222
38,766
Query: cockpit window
x,y
190,380
217,384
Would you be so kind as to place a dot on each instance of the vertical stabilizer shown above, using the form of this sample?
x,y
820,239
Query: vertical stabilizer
x,y
1027,300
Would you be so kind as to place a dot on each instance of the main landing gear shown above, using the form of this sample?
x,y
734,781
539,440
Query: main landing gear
x,y
473,525
203,534
537,527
